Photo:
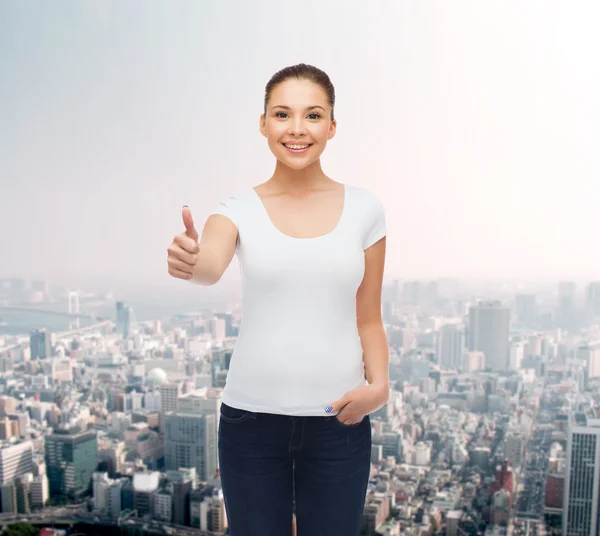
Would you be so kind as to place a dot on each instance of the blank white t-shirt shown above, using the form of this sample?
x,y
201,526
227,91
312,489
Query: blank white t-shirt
x,y
298,348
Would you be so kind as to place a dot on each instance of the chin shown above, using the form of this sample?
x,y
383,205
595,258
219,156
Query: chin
x,y
296,165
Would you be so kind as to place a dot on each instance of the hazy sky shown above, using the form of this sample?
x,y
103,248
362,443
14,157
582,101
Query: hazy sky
x,y
477,124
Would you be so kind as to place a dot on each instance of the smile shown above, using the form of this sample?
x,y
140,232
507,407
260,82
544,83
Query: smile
x,y
297,148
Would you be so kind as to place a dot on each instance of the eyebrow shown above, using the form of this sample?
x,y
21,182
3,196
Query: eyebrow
x,y
307,108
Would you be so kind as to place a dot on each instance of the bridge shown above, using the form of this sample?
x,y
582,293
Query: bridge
x,y
50,312
21,340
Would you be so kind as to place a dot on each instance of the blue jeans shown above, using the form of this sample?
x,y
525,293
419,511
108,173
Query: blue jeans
x,y
274,465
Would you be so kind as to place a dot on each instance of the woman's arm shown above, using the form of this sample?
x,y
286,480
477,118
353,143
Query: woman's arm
x,y
368,313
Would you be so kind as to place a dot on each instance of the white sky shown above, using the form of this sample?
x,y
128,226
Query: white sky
x,y
477,124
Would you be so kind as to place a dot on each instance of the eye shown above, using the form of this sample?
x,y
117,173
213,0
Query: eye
x,y
279,114
317,116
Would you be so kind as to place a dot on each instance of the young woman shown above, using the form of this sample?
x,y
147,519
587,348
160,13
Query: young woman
x,y
311,359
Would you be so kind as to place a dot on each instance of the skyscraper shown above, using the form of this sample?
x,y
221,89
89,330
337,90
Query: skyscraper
x,y
526,308
566,311
190,441
489,333
582,482
15,461
592,299
451,345
71,459
39,344
169,394
590,353
124,319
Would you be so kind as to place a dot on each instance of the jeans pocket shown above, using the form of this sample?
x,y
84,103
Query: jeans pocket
x,y
344,425
234,415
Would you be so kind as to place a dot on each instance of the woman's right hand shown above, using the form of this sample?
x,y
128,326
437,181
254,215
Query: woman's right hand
x,y
183,251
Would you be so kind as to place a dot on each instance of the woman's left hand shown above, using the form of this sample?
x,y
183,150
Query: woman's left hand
x,y
355,404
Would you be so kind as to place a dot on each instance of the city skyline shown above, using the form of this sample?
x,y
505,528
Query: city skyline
x,y
474,124
476,132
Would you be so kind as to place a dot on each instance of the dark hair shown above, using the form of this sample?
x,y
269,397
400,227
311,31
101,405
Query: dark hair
x,y
302,71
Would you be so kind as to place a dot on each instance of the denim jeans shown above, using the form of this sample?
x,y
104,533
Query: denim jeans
x,y
273,465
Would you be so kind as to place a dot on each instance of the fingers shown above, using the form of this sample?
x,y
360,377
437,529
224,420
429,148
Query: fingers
x,y
179,274
181,262
337,405
187,244
180,265
346,418
188,221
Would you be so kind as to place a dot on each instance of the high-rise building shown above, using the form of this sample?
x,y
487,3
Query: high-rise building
x,y
163,504
513,448
71,459
451,346
40,491
590,353
15,460
169,395
566,310
183,482
489,333
124,319
229,329
592,299
411,292
9,498
582,481
190,441
217,327
526,308
145,486
40,344
517,354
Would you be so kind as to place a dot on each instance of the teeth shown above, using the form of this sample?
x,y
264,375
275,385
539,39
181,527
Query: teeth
x,y
296,146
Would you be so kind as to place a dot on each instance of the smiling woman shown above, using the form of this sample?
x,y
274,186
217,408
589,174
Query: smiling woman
x,y
295,434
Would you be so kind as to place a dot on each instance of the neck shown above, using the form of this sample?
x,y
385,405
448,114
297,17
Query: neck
x,y
298,181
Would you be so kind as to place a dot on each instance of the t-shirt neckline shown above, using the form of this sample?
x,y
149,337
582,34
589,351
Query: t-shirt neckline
x,y
278,231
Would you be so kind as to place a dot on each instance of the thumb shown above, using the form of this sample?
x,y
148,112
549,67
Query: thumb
x,y
337,405
188,221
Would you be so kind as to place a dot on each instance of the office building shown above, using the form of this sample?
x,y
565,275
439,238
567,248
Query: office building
x,y
489,333
15,460
40,344
592,300
71,459
169,395
526,308
451,345
190,441
582,479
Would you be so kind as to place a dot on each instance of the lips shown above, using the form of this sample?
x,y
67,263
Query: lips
x,y
297,148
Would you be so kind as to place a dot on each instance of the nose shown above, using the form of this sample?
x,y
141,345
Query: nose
x,y
297,127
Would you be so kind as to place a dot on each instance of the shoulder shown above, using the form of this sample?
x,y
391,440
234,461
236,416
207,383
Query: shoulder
x,y
234,205
238,197
370,215
365,199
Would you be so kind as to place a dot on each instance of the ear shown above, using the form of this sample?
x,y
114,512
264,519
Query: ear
x,y
332,129
263,125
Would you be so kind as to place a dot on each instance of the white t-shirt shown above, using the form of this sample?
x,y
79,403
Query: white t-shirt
x,y
298,349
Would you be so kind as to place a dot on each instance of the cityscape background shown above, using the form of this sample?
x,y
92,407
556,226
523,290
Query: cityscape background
x,y
475,123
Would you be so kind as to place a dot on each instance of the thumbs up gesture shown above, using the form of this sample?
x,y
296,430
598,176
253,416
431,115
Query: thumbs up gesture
x,y
188,221
182,254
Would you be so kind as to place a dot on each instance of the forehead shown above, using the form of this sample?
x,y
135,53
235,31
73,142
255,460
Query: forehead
x,y
298,92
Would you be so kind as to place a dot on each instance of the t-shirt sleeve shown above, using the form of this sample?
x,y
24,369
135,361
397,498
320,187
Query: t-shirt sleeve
x,y
227,207
375,224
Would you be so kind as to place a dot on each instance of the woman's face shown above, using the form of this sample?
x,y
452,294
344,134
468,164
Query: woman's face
x,y
297,123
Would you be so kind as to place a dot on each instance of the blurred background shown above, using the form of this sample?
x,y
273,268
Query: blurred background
x,y
476,124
